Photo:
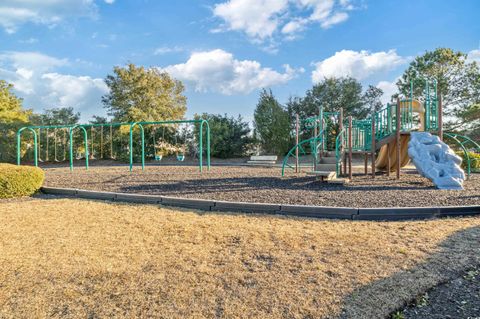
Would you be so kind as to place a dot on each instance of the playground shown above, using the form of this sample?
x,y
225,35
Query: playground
x,y
264,185
395,157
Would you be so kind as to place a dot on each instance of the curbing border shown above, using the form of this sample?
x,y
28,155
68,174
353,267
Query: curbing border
x,y
372,214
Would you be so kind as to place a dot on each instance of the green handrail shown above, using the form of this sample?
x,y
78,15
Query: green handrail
x,y
142,132
456,137
314,142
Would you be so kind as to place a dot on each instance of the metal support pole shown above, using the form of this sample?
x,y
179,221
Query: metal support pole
x,y
374,146
440,117
388,159
92,139
55,145
101,143
350,151
366,163
340,129
314,145
46,151
398,138
297,128
111,142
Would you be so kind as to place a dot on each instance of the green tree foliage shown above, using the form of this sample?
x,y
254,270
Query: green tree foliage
x,y
332,94
272,124
229,135
458,82
371,98
56,116
139,94
12,117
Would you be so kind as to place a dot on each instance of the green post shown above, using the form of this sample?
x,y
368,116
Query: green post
x,y
85,138
208,145
19,145
142,132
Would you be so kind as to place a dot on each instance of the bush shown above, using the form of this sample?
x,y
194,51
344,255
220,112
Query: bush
x,y
17,181
474,160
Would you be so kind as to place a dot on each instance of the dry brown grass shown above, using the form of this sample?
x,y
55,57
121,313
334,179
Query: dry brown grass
x,y
77,258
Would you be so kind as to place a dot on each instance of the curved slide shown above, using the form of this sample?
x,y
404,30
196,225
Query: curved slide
x,y
382,158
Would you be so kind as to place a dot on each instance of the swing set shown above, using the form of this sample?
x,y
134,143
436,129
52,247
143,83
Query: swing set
x,y
102,136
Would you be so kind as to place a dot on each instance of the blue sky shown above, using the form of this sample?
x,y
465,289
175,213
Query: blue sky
x,y
57,53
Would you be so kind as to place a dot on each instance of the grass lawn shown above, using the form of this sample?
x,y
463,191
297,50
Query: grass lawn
x,y
77,258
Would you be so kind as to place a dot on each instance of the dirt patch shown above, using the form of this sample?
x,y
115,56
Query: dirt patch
x,y
265,185
77,258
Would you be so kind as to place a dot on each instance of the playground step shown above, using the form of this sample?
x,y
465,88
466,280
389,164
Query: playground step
x,y
327,167
324,175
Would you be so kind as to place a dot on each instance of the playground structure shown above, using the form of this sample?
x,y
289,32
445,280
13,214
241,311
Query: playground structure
x,y
107,135
386,131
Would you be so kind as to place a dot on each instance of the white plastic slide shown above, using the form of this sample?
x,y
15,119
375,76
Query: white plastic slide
x,y
436,161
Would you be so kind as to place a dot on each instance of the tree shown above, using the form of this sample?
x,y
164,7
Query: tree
x,y
457,80
139,94
12,117
56,116
272,124
333,94
371,98
229,135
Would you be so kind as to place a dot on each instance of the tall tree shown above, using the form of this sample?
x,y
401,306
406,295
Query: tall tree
x,y
371,98
56,116
12,117
457,80
272,124
332,94
139,94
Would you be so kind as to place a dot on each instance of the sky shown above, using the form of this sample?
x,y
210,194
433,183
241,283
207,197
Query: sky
x,y
58,52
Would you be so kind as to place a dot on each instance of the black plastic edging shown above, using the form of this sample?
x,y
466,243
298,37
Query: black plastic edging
x,y
374,214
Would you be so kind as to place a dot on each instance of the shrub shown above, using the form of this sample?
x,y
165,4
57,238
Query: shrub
x,y
474,160
16,181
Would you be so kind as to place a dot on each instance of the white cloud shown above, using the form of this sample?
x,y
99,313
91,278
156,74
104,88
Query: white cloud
x,y
474,56
109,1
166,50
14,13
219,71
257,18
35,79
263,20
388,88
356,64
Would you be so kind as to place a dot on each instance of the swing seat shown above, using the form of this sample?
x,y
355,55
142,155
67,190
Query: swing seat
x,y
180,158
158,157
